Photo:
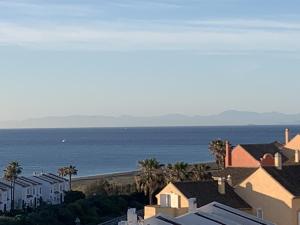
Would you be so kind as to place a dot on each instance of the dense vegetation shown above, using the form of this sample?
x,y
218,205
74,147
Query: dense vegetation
x,y
91,210
154,175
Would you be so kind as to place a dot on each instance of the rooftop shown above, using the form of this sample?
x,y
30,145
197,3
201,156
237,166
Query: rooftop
x,y
238,174
210,214
288,177
207,191
259,150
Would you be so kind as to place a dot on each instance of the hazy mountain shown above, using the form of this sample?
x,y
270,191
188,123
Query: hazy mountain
x,y
231,117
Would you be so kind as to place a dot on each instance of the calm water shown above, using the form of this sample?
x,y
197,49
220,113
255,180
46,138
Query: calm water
x,y
105,150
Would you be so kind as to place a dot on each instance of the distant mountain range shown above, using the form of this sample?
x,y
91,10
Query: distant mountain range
x,y
231,117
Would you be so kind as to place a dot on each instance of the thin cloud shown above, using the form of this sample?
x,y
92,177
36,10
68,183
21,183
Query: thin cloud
x,y
125,39
34,8
246,24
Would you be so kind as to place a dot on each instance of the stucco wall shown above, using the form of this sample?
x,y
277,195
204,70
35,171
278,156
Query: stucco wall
x,y
170,188
241,158
173,212
260,190
294,143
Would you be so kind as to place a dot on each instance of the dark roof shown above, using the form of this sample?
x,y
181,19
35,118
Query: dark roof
x,y
207,191
29,180
4,185
56,180
288,177
22,183
58,177
238,174
44,179
259,150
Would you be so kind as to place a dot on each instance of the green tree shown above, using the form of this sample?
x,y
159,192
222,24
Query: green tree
x,y
68,171
176,172
200,172
150,178
218,150
11,173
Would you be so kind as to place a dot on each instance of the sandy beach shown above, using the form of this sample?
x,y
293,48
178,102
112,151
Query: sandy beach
x,y
122,178
80,183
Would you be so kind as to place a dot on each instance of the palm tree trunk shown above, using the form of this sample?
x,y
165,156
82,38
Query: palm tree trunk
x,y
70,182
11,196
150,198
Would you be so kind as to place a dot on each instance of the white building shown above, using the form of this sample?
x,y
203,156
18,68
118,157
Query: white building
x,y
210,214
26,193
33,192
53,187
4,197
30,191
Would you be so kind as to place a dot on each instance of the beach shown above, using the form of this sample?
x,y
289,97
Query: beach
x,y
120,178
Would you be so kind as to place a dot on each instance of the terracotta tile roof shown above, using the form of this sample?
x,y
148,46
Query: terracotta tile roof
x,y
207,191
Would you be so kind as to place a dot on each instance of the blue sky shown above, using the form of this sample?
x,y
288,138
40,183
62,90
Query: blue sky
x,y
140,57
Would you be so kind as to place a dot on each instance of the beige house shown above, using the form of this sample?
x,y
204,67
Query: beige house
x,y
274,193
177,198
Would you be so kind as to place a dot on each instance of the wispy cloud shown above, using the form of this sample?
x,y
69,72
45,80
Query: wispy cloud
x,y
59,29
39,8
106,37
247,24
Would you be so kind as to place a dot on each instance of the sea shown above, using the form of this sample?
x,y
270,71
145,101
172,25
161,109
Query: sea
x,y
108,150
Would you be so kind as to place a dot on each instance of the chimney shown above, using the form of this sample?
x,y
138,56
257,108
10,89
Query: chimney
x,y
132,217
221,185
192,204
228,154
229,180
278,161
297,156
287,131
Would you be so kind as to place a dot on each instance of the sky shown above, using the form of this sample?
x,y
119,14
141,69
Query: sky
x,y
148,58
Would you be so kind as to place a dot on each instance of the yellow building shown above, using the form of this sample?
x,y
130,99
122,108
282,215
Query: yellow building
x,y
178,198
270,192
274,193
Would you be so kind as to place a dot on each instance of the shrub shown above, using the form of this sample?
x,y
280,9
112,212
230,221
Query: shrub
x,y
73,196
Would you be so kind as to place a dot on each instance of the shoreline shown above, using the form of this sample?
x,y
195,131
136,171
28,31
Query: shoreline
x,y
123,178
105,175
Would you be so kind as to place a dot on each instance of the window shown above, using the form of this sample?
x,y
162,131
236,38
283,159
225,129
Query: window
x,y
260,213
165,200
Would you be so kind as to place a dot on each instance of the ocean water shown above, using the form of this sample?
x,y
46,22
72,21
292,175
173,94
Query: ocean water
x,y
105,150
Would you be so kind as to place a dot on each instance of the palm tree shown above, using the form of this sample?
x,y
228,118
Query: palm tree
x,y
68,171
150,178
11,173
62,171
176,172
200,172
218,150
